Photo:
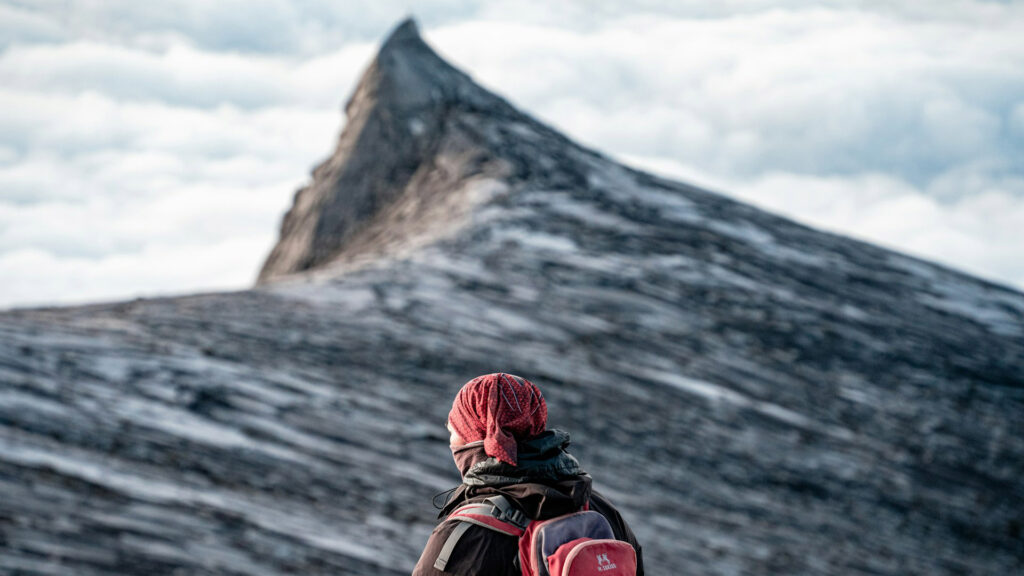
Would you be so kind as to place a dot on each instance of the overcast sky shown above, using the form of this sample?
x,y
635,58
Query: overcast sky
x,y
152,148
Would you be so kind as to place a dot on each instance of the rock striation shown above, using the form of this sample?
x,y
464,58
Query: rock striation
x,y
757,396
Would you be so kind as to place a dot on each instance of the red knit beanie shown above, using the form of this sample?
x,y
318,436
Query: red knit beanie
x,y
499,408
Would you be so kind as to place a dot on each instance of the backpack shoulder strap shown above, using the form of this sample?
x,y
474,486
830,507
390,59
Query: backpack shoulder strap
x,y
495,513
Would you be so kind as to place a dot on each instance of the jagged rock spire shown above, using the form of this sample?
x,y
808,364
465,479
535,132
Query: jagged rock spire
x,y
397,121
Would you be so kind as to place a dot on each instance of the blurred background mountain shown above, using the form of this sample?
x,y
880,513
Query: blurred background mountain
x,y
757,396
149,150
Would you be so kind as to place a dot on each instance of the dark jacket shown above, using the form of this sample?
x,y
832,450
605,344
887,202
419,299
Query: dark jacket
x,y
548,482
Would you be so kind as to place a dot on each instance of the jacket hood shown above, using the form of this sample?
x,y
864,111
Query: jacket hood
x,y
541,458
547,482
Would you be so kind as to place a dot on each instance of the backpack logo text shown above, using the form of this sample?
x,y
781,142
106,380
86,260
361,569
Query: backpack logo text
x,y
604,564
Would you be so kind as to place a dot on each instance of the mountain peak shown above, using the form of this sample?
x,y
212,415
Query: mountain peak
x,y
403,114
405,30
407,75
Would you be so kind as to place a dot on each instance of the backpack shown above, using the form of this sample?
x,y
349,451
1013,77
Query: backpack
x,y
576,544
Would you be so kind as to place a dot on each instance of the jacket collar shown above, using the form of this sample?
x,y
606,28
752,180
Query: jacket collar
x,y
541,458
547,482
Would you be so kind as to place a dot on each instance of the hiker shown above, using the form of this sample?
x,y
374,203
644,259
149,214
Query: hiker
x,y
502,447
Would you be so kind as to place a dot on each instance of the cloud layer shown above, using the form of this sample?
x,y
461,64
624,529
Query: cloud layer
x,y
147,151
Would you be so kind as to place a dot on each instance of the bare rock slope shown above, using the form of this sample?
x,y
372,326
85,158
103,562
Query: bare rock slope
x,y
757,396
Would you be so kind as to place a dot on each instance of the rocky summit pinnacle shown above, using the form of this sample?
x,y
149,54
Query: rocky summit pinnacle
x,y
756,396
403,148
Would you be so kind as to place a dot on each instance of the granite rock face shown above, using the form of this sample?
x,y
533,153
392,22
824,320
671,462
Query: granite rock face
x,y
758,397
405,148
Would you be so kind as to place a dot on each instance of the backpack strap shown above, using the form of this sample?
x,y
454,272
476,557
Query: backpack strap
x,y
495,513
449,545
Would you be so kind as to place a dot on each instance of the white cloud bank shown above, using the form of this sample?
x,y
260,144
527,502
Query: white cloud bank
x,y
153,150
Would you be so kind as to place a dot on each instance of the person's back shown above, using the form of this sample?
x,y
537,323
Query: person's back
x,y
501,447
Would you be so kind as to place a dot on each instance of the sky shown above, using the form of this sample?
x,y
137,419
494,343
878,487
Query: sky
x,y
153,148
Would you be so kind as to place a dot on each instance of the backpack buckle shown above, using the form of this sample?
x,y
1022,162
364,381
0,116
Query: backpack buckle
x,y
506,512
514,516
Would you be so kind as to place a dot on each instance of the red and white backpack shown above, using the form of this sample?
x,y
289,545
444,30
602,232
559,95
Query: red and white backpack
x,y
576,544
